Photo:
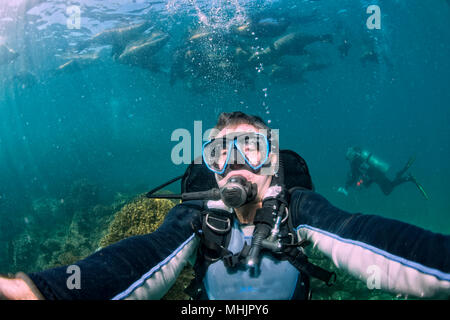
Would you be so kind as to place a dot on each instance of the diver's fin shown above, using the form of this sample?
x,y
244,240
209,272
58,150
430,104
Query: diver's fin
x,y
419,186
410,162
406,167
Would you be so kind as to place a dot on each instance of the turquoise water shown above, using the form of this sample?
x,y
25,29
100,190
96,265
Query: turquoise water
x,y
109,124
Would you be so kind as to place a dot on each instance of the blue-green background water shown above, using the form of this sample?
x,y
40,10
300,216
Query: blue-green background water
x,y
111,124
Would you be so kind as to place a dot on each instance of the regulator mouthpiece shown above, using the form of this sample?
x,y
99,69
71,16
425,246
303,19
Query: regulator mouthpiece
x,y
237,192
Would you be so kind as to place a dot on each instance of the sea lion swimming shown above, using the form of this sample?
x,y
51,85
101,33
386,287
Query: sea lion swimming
x,y
78,63
295,42
139,53
199,36
273,23
291,44
117,37
7,55
264,27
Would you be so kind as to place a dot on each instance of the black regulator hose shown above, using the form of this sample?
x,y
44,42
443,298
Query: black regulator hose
x,y
264,221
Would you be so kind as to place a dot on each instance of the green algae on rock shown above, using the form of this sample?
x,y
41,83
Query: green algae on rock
x,y
138,217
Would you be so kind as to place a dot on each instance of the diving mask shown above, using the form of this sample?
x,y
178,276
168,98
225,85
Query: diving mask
x,y
246,148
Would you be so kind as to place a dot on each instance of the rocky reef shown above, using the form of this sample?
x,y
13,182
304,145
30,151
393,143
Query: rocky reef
x,y
139,216
60,231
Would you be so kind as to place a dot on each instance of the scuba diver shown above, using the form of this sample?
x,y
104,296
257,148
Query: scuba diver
x,y
366,169
247,212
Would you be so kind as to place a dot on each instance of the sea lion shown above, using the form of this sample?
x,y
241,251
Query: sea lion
x,y
199,36
273,23
117,37
263,27
294,43
78,63
291,44
139,53
7,55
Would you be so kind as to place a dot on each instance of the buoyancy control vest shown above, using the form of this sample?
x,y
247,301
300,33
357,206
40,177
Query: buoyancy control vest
x,y
216,226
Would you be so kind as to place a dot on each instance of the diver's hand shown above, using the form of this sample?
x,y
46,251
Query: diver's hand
x,y
15,289
343,191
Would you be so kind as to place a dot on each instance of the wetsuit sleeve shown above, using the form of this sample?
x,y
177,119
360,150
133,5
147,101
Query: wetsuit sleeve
x,y
139,267
406,259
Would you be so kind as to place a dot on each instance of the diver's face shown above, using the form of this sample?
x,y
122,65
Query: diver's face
x,y
262,181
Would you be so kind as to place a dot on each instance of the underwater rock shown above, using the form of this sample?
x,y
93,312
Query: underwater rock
x,y
46,210
25,251
76,240
141,216
82,196
60,231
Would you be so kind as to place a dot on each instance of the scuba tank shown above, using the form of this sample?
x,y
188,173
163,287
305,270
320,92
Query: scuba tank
x,y
374,162
368,159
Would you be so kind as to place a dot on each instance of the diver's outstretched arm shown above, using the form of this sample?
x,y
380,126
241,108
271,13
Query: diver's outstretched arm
x,y
408,259
139,267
